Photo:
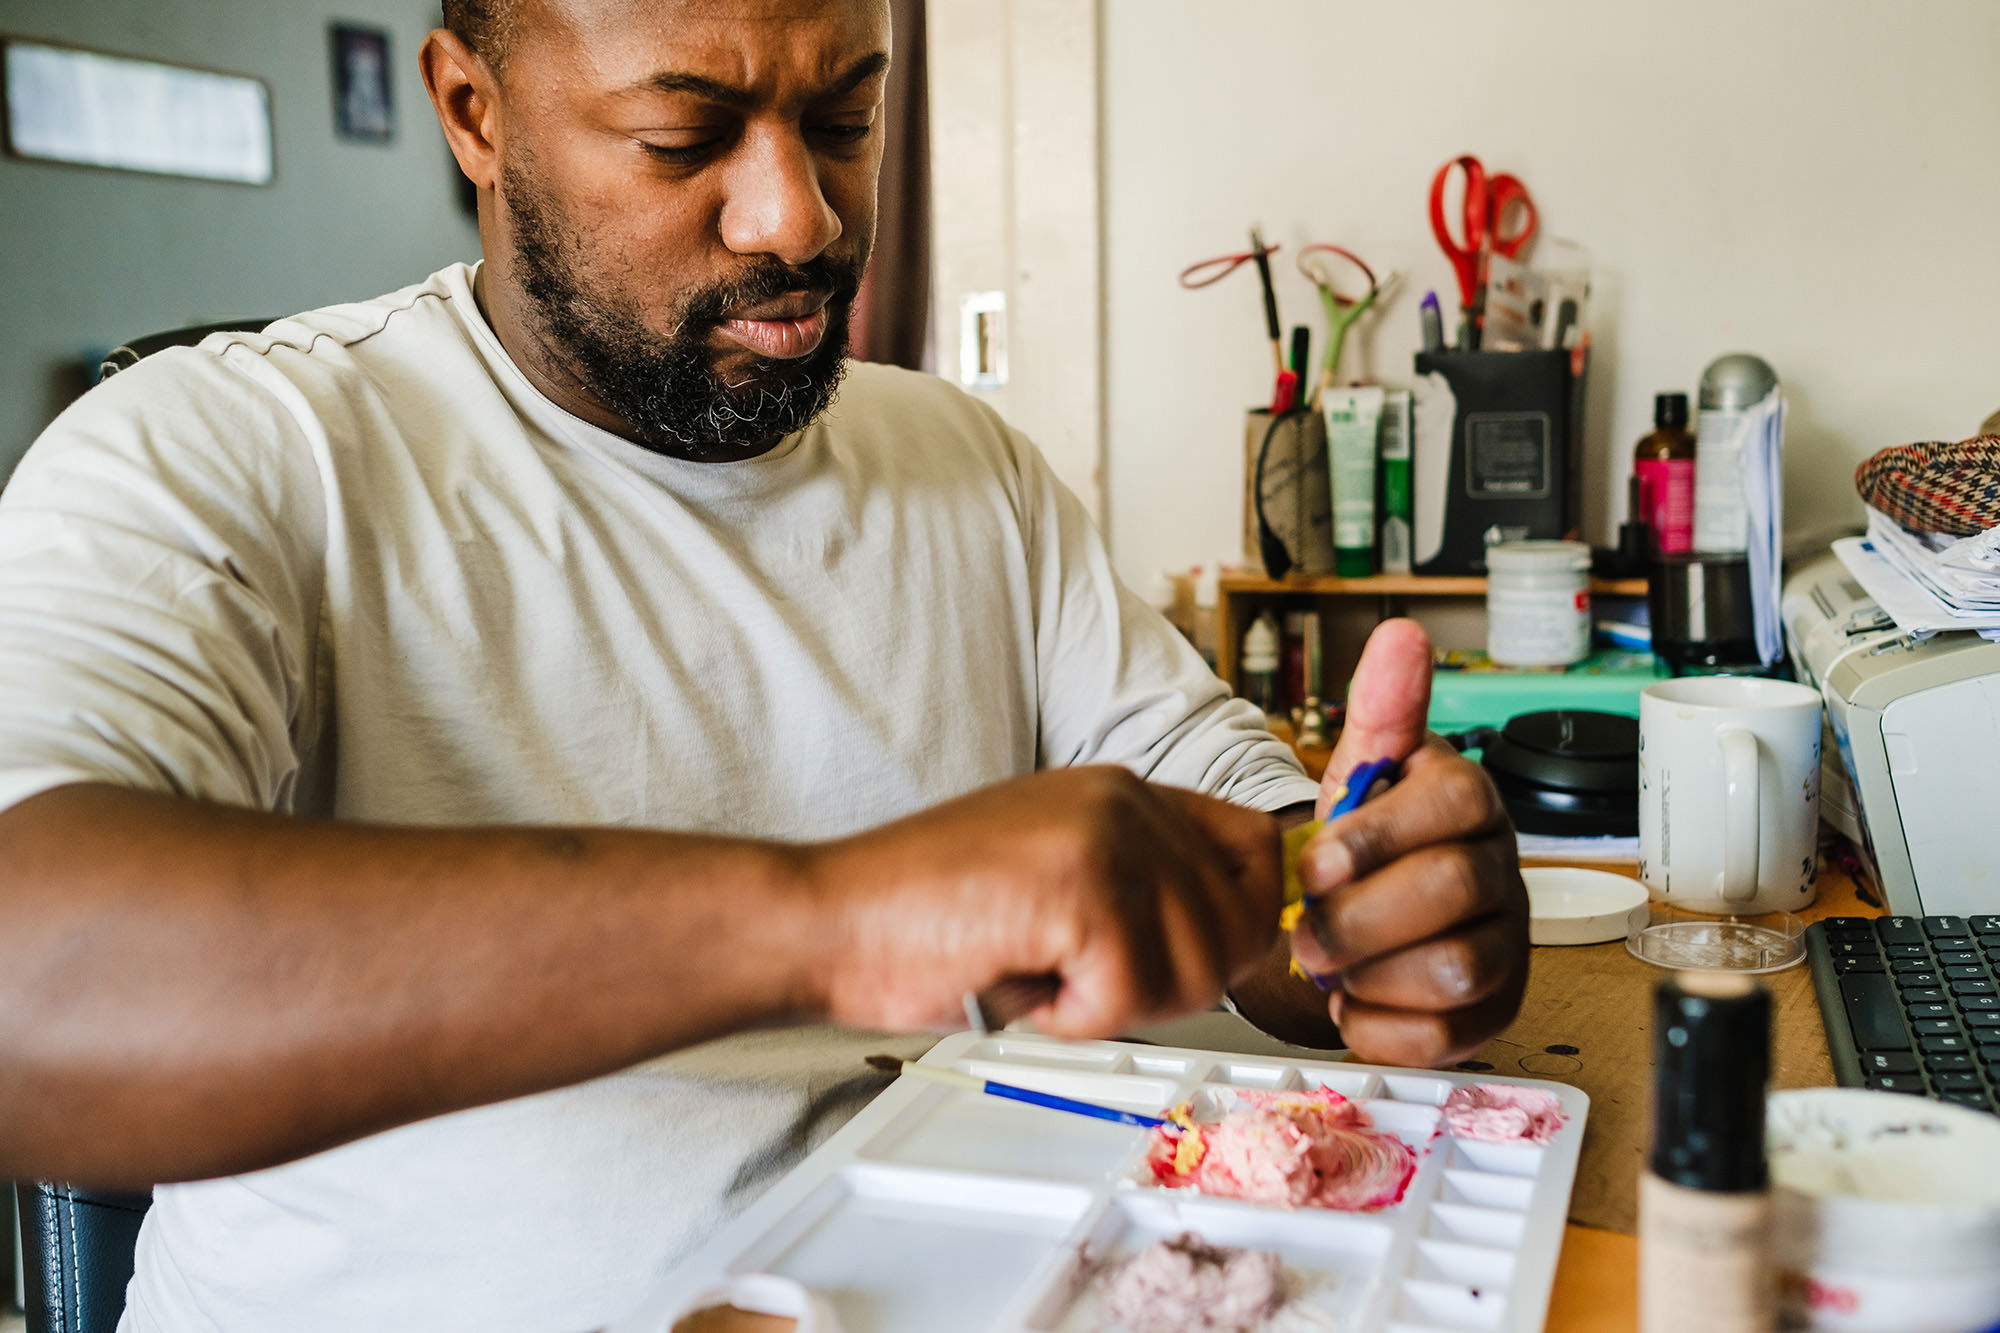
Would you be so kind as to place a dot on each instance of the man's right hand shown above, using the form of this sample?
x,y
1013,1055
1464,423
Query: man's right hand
x,y
1106,899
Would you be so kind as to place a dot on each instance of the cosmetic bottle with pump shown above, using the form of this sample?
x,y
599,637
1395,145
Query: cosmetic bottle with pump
x,y
1705,1194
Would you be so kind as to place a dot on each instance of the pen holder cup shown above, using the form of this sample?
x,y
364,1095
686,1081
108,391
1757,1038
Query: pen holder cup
x,y
1497,455
1284,461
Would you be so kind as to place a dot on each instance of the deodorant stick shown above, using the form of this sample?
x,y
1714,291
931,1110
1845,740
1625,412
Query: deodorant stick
x,y
1704,1197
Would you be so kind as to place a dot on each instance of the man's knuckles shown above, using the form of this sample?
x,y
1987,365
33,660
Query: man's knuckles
x,y
1435,976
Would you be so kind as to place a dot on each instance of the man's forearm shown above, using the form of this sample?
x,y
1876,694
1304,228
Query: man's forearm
x,y
195,990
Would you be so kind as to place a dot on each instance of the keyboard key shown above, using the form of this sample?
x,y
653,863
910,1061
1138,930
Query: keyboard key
x,y
1863,963
1982,1018
1933,1027
1916,951
1933,1010
1894,1062
1968,986
1976,1100
1981,925
1912,1083
1977,1004
1944,1041
1873,1014
1988,1052
1923,995
1899,930
1958,958
1958,1080
1945,1062
1909,980
1941,927
1863,924
1965,974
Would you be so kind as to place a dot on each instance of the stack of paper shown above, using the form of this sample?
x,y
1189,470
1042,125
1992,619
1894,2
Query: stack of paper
x,y
1928,583
1761,451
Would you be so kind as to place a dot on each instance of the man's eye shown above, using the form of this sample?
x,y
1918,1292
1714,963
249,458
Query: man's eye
x,y
843,135
682,155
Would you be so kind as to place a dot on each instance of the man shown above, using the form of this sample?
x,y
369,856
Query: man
x,y
475,763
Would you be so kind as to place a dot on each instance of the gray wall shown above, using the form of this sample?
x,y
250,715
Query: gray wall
x,y
89,258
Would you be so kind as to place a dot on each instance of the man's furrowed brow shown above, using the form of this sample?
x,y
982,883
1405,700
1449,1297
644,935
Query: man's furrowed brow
x,y
725,94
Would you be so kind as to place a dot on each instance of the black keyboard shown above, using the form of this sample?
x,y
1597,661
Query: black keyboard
x,y
1911,1003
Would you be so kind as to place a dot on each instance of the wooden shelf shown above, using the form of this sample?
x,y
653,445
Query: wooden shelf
x,y
1241,594
1395,585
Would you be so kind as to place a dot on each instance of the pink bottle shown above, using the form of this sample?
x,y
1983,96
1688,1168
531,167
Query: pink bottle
x,y
1664,464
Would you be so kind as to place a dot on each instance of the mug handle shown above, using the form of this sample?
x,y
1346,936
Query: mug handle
x,y
1740,814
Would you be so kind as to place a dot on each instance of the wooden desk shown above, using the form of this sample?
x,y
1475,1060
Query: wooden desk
x,y
1597,1001
1587,1021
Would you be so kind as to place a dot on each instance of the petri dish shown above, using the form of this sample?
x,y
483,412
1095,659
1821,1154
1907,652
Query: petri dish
x,y
1673,938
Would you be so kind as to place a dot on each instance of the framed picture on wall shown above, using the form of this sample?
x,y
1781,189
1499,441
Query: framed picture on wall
x,y
363,108
95,109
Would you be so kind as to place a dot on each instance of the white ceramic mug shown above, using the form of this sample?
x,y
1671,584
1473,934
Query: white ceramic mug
x,y
1729,793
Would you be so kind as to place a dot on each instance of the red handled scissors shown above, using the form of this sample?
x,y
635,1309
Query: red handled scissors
x,y
1483,225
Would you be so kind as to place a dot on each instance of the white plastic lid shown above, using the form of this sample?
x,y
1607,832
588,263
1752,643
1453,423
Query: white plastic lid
x,y
1537,557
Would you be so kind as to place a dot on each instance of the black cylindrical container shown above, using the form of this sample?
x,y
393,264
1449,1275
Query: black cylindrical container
x,y
1701,610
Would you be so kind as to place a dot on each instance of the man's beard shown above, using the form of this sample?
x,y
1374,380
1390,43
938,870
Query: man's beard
x,y
664,387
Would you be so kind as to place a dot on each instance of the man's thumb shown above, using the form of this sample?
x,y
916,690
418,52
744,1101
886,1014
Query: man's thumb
x,y
1389,698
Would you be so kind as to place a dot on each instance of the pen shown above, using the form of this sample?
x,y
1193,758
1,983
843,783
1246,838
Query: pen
x,y
1433,323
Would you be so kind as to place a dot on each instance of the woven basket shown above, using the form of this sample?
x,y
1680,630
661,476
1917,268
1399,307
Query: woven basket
x,y
1936,487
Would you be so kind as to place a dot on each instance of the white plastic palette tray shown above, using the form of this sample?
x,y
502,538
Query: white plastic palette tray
x,y
938,1209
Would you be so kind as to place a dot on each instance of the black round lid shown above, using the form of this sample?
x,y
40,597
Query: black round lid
x,y
1670,410
1570,748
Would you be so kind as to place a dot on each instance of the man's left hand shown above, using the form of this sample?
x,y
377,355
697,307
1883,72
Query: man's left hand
x,y
1417,905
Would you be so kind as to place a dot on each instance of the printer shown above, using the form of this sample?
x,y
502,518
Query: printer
x,y
1912,759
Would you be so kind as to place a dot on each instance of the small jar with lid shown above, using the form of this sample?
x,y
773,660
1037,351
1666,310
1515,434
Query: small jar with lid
x,y
1538,603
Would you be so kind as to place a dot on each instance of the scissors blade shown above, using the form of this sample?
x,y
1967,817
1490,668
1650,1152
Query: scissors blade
x,y
1464,255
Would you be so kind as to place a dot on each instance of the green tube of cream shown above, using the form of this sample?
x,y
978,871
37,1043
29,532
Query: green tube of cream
x,y
1353,421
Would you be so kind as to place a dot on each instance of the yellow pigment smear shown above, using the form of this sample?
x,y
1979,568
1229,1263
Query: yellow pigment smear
x,y
1295,891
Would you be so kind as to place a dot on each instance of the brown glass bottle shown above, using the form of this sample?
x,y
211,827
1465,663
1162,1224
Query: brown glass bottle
x,y
1664,464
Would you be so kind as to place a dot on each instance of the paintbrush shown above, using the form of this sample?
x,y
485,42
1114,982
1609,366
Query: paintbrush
x,y
952,1078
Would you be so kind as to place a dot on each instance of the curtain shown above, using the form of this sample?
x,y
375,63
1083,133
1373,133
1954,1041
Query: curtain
x,y
892,314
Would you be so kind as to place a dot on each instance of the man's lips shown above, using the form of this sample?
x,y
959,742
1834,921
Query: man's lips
x,y
787,328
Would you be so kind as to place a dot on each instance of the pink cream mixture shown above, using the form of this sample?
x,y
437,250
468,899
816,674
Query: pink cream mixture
x,y
1289,1149
1502,1113
1185,1285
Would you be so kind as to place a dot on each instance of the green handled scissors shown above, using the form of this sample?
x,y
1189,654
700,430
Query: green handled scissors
x,y
1342,310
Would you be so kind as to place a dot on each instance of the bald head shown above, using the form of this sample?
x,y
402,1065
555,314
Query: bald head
x,y
677,198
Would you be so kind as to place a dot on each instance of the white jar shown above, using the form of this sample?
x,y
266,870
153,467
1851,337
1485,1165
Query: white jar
x,y
1538,603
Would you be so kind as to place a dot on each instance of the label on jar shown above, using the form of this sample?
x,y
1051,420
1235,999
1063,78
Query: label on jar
x,y
1537,627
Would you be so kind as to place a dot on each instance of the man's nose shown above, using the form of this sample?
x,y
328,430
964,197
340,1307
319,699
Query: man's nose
x,y
775,205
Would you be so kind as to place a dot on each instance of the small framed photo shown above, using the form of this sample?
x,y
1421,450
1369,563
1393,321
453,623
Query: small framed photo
x,y
363,108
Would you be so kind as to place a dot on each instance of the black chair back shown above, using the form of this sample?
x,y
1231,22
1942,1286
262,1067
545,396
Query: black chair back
x,y
76,1250
127,355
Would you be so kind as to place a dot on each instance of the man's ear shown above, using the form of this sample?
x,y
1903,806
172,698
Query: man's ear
x,y
467,98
